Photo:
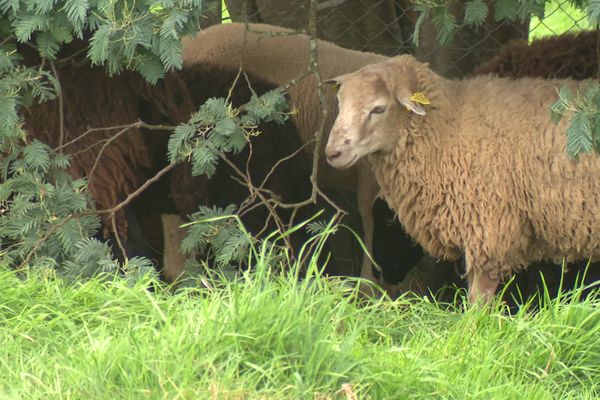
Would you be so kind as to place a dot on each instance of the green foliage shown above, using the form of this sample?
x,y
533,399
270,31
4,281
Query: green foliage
x,y
559,17
317,227
476,12
219,128
583,132
219,230
125,34
215,129
40,203
593,12
46,217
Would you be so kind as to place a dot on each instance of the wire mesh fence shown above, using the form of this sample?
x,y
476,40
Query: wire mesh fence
x,y
387,27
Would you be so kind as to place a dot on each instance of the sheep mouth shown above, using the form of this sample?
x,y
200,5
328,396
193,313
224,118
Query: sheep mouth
x,y
349,163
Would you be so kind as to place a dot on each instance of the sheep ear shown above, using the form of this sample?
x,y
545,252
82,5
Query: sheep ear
x,y
413,101
412,106
336,82
403,80
333,83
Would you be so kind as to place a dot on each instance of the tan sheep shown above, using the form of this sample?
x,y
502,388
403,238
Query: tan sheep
x,y
280,59
480,170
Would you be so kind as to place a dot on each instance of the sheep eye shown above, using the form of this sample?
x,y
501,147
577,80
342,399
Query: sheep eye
x,y
378,110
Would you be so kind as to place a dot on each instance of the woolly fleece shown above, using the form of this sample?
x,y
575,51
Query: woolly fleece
x,y
485,173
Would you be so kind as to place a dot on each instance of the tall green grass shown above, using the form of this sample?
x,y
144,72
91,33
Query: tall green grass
x,y
277,337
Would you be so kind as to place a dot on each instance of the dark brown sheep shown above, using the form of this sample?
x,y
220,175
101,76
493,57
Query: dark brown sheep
x,y
571,55
93,127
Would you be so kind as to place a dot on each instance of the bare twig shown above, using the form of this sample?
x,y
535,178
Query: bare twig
x,y
7,39
113,222
282,160
137,192
235,81
314,69
99,156
138,124
61,108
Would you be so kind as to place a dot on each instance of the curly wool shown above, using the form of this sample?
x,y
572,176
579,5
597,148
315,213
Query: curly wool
x,y
485,173
571,55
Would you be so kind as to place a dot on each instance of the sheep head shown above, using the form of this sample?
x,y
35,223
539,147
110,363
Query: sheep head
x,y
373,103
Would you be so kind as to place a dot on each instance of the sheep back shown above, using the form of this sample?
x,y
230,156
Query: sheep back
x,y
570,55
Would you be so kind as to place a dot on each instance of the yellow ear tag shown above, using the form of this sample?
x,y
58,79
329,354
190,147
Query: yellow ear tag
x,y
420,98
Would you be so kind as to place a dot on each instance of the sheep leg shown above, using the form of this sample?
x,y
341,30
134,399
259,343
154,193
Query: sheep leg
x,y
173,259
367,190
481,285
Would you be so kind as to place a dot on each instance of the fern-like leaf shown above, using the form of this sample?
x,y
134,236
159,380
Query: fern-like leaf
x,y
579,135
506,10
475,12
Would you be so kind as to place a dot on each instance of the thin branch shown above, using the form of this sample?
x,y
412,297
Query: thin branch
x,y
235,81
259,194
314,68
138,124
113,222
99,156
61,108
115,137
7,39
282,160
91,130
137,192
42,240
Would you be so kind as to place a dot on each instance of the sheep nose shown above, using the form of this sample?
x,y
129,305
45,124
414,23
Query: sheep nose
x,y
332,154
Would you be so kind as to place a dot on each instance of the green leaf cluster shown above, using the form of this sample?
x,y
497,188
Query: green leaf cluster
x,y
583,107
142,35
218,127
475,14
219,231
39,202
46,217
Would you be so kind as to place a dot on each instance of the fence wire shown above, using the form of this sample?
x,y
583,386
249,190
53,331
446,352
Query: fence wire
x,y
387,26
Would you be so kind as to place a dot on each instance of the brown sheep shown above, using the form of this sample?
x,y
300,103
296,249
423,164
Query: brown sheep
x,y
92,101
481,172
570,55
